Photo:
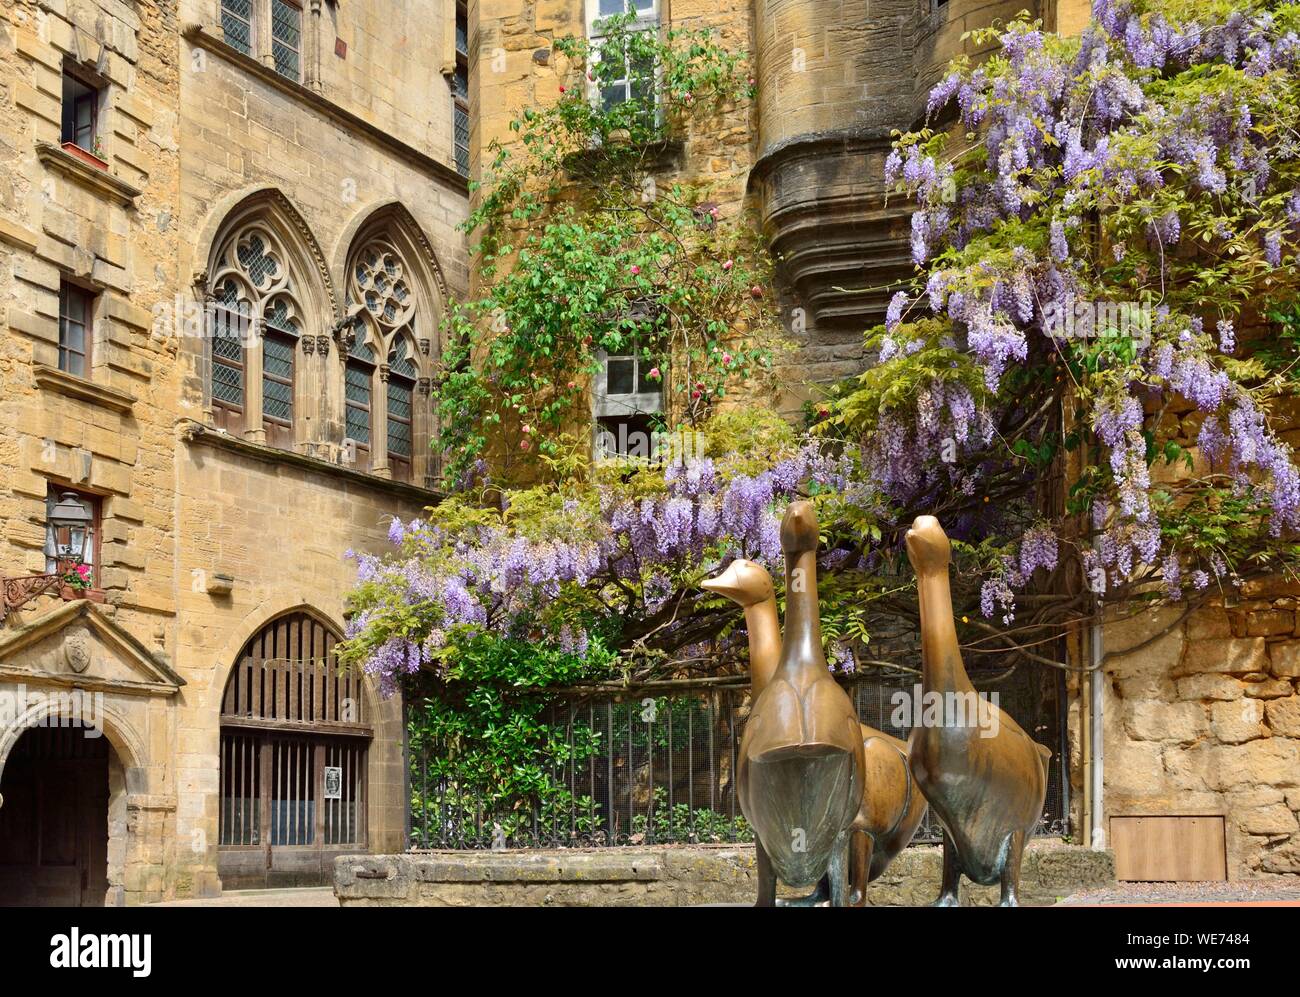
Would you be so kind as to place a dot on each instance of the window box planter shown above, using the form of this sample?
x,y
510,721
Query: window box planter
x,y
70,594
87,157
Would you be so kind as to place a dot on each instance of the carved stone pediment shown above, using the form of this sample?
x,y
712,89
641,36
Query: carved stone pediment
x,y
77,644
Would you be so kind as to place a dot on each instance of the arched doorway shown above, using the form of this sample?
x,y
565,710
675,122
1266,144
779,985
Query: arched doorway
x,y
295,738
54,821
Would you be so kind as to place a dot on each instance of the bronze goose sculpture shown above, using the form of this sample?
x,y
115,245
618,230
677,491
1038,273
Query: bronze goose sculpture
x,y
801,766
892,805
983,776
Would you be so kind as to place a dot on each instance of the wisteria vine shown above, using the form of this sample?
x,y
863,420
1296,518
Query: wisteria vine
x,y
1111,197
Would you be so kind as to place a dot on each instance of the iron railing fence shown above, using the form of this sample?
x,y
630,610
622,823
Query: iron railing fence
x,y
659,764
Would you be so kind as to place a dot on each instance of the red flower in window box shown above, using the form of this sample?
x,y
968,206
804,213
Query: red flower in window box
x,y
84,156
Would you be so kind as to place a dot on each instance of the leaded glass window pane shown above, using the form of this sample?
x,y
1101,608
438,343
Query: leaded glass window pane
x,y
399,362
277,378
357,387
462,32
228,384
230,319
460,115
277,317
237,24
400,406
261,267
286,37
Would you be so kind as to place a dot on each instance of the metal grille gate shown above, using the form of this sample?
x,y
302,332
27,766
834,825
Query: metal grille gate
x,y
295,733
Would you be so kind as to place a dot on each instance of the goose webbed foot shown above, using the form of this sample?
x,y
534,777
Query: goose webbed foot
x,y
818,896
951,875
1011,870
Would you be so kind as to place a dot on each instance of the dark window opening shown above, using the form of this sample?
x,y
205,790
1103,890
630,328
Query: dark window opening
x,y
80,113
634,435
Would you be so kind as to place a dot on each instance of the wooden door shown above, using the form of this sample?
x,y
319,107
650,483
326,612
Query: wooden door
x,y
54,822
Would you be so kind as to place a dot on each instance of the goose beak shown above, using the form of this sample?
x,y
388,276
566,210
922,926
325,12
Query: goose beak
x,y
727,583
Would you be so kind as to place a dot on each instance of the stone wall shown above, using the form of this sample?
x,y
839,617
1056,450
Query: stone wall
x,y
1206,720
668,877
107,228
109,231
279,528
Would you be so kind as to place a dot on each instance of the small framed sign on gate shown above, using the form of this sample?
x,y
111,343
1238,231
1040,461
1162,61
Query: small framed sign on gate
x,y
333,782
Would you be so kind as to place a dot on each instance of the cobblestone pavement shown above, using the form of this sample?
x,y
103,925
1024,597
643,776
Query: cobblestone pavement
x,y
320,896
1241,892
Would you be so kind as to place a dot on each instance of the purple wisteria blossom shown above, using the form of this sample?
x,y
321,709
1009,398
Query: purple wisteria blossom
x,y
1066,134
493,579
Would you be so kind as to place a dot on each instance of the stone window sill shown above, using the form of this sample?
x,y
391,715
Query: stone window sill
x,y
53,379
196,433
81,172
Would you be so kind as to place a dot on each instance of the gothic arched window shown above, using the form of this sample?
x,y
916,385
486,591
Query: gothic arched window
x,y
384,306
257,322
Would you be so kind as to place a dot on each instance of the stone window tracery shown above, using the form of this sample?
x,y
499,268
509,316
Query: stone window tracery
x,y
383,418
256,310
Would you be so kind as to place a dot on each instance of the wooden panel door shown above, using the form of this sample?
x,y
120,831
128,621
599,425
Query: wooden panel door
x,y
54,822
1169,848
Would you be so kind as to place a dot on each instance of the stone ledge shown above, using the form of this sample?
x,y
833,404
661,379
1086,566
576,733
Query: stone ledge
x,y
196,433
52,379
670,876
99,181
504,867
16,234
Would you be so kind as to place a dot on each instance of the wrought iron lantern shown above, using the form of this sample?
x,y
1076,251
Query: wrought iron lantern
x,y
70,523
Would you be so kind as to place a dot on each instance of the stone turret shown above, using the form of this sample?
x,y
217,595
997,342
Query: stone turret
x,y
835,79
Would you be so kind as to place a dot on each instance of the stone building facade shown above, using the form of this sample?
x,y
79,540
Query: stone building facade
x,y
228,233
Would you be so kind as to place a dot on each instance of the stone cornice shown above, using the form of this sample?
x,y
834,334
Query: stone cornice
x,y
64,383
100,181
196,433
197,34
